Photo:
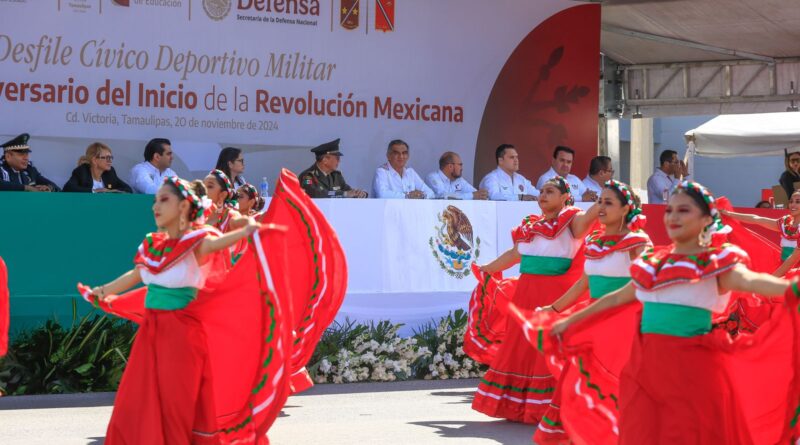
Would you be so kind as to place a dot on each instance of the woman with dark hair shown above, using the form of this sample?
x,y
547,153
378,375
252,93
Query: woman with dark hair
x,y
231,162
250,201
609,253
94,173
518,385
222,194
212,344
678,383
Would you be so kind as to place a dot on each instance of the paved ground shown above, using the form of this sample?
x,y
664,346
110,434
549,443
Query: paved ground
x,y
418,413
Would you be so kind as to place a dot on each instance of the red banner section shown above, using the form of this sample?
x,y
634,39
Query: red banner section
x,y
546,95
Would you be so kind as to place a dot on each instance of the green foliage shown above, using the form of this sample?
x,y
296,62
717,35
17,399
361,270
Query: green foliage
x,y
90,355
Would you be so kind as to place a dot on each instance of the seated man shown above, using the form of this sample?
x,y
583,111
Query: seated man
x,y
17,173
447,182
561,166
504,183
323,180
147,176
600,171
394,180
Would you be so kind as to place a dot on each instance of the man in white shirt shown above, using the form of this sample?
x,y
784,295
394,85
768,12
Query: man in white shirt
x,y
600,171
147,176
447,182
504,183
394,180
667,176
562,165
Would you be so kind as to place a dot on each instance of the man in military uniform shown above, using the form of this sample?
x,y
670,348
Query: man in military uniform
x,y
17,173
323,180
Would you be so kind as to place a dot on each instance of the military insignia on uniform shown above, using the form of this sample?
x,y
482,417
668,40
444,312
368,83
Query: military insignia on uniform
x,y
453,246
308,180
384,15
349,14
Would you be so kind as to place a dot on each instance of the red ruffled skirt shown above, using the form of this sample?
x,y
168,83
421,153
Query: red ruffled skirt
x,y
166,394
677,390
519,385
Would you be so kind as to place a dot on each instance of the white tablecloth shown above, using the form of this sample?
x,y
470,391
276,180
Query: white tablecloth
x,y
396,269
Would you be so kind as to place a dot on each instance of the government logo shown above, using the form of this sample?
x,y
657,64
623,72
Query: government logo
x,y
217,9
453,246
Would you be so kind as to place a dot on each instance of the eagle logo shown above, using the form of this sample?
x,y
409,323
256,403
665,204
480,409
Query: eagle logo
x,y
217,9
455,247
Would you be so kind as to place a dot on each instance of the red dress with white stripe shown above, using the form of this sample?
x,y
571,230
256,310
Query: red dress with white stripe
x,y
519,385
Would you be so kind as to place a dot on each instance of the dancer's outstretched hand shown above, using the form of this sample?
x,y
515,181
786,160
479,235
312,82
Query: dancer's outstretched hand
x,y
559,328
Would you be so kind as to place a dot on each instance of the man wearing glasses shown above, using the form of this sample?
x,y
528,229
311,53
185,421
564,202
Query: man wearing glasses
x,y
666,177
394,180
447,182
323,180
600,171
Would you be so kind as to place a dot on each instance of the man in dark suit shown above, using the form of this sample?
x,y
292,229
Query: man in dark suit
x,y
323,180
17,173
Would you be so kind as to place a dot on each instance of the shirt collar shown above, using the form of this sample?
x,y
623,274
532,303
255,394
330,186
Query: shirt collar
x,y
444,177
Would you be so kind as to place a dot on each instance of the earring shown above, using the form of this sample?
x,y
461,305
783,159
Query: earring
x,y
704,238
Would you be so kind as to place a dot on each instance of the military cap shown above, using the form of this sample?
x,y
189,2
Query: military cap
x,y
19,143
328,148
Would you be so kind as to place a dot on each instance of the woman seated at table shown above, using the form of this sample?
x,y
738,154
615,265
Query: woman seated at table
x,y
95,174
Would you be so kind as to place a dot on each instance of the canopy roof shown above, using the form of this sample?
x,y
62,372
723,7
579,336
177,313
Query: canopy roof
x,y
747,135
769,28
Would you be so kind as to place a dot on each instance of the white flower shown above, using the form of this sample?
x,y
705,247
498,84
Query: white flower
x,y
325,366
459,351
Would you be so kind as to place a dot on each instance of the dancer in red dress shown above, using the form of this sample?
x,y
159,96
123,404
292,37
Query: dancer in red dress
x,y
609,252
518,385
678,385
209,361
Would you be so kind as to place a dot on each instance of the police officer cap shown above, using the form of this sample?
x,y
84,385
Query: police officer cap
x,y
19,143
330,148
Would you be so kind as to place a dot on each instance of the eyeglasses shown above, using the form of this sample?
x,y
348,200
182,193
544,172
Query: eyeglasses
x,y
460,164
108,158
240,160
609,170
794,160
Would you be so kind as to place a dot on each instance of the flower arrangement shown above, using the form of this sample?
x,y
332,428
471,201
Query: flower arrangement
x,y
350,352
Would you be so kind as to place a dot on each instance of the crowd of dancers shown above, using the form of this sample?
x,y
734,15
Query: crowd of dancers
x,y
602,339
607,339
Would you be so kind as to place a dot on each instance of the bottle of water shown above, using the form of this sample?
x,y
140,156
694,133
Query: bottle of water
x,y
264,187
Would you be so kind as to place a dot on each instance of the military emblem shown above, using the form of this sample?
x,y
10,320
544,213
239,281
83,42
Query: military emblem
x,y
217,9
453,246
384,15
349,14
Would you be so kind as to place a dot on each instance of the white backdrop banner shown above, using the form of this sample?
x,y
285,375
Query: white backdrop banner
x,y
403,263
279,73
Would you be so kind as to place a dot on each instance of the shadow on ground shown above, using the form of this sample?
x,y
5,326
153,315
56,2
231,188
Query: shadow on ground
x,y
466,396
501,431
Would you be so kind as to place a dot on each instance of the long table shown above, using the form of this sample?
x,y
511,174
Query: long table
x,y
403,266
